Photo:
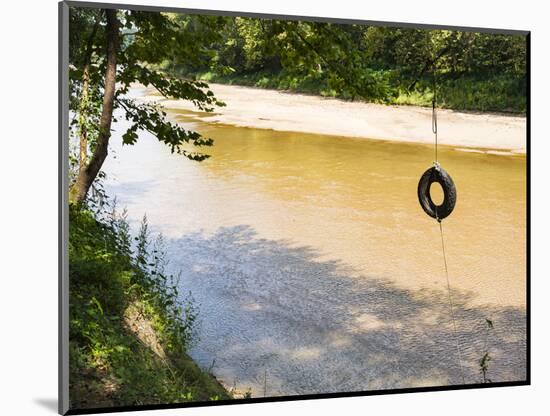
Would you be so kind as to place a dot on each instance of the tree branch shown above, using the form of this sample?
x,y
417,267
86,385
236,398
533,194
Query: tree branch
x,y
429,63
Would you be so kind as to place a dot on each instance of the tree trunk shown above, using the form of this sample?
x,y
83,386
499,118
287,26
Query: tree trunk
x,y
83,118
84,99
87,175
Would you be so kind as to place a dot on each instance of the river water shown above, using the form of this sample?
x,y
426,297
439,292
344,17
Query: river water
x,y
315,268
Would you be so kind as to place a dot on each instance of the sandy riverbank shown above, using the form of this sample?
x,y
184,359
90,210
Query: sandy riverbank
x,y
277,110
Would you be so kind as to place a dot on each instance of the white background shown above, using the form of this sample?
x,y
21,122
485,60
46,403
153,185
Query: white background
x,y
28,204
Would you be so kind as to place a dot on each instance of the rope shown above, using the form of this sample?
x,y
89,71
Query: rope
x,y
436,164
451,304
434,112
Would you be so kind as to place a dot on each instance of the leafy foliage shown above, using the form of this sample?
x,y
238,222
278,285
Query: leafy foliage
x,y
116,294
476,71
329,53
150,118
147,39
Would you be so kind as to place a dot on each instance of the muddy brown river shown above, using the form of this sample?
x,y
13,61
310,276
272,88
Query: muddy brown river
x,y
316,270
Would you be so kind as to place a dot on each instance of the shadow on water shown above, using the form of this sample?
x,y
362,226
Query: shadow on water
x,y
280,319
132,191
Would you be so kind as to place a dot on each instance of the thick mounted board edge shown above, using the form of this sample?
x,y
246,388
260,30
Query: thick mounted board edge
x,y
63,213
528,210
293,398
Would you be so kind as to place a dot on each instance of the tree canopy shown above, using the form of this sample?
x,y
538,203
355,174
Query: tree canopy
x,y
478,71
109,51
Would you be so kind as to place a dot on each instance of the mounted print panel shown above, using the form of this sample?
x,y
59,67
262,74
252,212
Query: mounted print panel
x,y
264,208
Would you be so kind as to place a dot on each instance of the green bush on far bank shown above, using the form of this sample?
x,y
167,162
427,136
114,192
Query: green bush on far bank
x,y
497,94
128,331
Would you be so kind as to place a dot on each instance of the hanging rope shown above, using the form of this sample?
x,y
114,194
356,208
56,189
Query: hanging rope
x,y
434,113
451,308
439,220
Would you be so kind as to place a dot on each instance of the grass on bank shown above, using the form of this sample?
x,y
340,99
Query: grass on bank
x,y
128,331
496,94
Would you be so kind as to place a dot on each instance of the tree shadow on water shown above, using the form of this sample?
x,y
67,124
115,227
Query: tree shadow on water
x,y
277,318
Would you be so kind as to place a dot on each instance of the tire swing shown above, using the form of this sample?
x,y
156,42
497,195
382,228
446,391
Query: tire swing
x,y
437,174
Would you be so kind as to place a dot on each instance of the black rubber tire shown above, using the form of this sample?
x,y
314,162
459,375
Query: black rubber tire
x,y
440,176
